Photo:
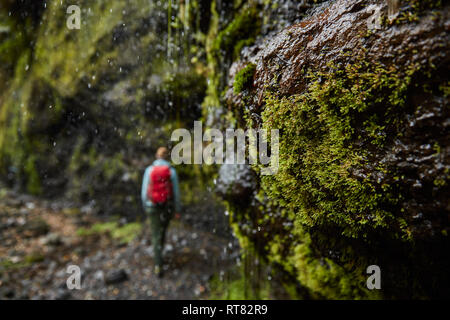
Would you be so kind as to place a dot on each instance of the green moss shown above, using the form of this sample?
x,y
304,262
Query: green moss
x,y
445,88
33,180
34,257
11,46
66,59
223,45
244,78
323,277
414,10
317,154
439,182
236,287
6,265
16,150
242,30
241,44
127,232
289,247
112,167
319,205
122,233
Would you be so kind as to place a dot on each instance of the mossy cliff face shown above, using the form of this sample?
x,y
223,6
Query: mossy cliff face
x,y
82,111
364,171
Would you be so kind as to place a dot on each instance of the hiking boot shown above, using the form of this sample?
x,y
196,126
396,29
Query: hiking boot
x,y
158,271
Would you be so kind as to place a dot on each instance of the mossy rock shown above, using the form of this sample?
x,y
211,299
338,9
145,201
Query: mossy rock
x,y
244,78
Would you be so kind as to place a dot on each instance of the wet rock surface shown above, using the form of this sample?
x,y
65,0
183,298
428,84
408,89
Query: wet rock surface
x,y
116,276
337,33
335,28
236,182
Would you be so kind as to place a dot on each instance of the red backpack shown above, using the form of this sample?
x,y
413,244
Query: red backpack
x,y
160,187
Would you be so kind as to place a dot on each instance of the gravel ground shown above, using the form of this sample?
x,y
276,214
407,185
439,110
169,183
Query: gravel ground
x,y
38,241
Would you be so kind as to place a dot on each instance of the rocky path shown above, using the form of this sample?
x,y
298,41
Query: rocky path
x,y
39,240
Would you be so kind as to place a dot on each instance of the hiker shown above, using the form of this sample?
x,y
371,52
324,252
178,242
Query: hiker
x,y
161,200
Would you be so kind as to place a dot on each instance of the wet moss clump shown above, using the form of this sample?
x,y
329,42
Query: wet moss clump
x,y
244,78
242,31
225,40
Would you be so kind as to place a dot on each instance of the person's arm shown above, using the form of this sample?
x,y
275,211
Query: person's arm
x,y
145,186
176,190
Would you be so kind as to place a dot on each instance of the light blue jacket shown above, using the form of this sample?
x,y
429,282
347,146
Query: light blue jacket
x,y
173,177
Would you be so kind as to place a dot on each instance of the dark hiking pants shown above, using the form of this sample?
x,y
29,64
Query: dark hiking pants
x,y
160,216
